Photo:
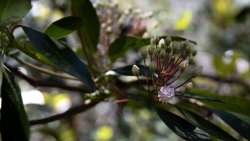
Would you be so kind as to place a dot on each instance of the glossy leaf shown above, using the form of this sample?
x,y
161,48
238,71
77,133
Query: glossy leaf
x,y
207,126
14,121
13,10
203,97
64,27
127,70
89,33
236,123
241,102
61,55
181,127
121,45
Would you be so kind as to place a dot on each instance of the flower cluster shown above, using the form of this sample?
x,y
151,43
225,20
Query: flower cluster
x,y
115,23
168,61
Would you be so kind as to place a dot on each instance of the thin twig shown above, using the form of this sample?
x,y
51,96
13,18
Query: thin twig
x,y
72,111
49,72
39,83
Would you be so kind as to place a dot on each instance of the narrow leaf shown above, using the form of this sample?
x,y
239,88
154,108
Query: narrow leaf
x,y
127,70
89,33
241,102
64,27
61,55
181,127
202,97
236,123
13,10
14,121
121,45
206,125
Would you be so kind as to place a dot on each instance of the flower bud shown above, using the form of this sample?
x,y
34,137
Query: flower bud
x,y
162,54
194,52
185,44
169,49
108,30
151,50
197,71
168,40
158,50
176,47
184,65
188,50
172,58
103,25
191,60
156,39
152,66
152,41
144,53
189,86
162,44
135,70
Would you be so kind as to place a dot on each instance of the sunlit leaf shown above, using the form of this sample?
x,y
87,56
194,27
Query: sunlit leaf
x,y
64,27
121,45
13,10
181,127
14,121
61,55
89,33
236,123
205,125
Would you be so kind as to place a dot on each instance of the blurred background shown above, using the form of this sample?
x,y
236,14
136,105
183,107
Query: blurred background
x,y
221,30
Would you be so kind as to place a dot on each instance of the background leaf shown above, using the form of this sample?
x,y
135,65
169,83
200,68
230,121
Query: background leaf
x,y
236,123
89,33
14,121
206,125
181,127
61,55
241,102
64,27
13,10
121,45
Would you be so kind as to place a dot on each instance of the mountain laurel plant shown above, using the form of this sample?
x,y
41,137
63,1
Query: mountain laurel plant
x,y
106,34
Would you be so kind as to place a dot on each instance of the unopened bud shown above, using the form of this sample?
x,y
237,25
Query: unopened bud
x,y
108,29
109,21
151,50
152,66
162,54
135,70
169,49
144,53
152,41
156,39
184,66
185,44
188,50
168,40
162,44
176,47
189,86
191,60
103,25
194,52
172,58
158,50
197,71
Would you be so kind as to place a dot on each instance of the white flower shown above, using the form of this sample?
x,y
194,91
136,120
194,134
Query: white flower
x,y
165,94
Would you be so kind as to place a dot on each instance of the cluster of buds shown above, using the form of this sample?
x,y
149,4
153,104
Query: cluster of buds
x,y
115,23
168,61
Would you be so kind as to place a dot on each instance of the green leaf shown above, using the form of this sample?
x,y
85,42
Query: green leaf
x,y
206,125
14,121
181,127
64,27
241,102
236,123
61,55
122,44
13,10
89,33
203,97
127,70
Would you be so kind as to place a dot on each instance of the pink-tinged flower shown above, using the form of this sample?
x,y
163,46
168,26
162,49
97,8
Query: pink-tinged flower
x,y
165,94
